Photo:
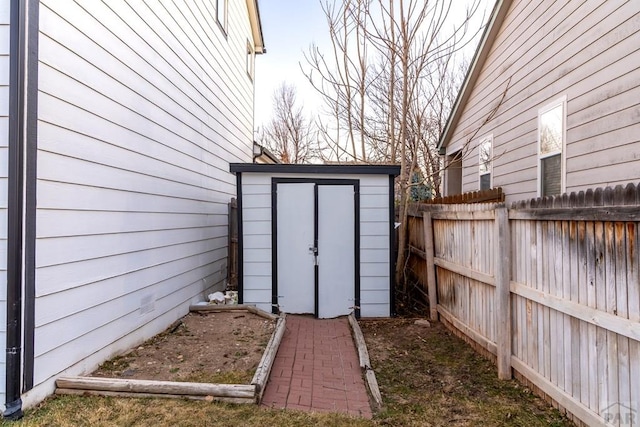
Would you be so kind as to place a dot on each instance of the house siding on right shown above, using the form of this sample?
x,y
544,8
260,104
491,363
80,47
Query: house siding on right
x,y
583,54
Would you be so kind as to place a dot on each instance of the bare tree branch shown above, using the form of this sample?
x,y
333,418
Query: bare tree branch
x,y
388,87
289,134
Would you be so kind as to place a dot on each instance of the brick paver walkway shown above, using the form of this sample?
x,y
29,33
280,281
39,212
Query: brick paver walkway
x,y
317,369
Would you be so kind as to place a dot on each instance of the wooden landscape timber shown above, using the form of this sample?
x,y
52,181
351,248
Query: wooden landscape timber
x,y
549,289
75,392
263,370
365,363
157,387
230,393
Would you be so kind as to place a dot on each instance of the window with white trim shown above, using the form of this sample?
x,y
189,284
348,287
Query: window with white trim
x,y
221,14
551,135
485,149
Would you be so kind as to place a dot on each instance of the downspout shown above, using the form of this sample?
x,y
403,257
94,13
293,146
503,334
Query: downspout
x,y
30,180
13,405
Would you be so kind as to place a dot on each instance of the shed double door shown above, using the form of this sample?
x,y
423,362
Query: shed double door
x,y
316,247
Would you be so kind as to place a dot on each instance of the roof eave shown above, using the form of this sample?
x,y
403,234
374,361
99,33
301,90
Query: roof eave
x,y
256,26
283,168
482,51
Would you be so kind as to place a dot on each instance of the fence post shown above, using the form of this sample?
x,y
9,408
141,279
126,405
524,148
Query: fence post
x,y
502,271
432,289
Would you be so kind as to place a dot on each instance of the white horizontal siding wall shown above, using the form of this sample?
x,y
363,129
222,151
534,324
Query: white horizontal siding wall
x,y
374,240
375,295
4,136
256,240
142,106
586,51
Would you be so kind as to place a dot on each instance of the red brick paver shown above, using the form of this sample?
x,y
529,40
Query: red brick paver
x,y
317,369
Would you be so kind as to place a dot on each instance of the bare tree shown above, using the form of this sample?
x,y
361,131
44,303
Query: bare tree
x,y
289,134
388,86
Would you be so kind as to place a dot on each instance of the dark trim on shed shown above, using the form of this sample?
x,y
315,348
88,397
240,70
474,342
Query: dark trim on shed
x,y
356,247
316,169
316,267
392,247
240,240
274,247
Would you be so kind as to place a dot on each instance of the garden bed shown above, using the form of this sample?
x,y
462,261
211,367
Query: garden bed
x,y
213,353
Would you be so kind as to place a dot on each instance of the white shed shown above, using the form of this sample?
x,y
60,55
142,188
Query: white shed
x,y
316,239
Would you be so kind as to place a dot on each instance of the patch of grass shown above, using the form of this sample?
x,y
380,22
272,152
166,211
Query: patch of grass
x,y
240,353
429,377
118,363
73,411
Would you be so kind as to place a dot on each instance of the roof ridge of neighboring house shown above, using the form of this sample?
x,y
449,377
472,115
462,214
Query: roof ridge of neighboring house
x,y
486,42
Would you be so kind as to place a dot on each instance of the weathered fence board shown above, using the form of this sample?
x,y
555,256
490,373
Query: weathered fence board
x,y
550,286
430,265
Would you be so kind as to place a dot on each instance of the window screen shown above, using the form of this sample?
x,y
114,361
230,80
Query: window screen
x,y
551,175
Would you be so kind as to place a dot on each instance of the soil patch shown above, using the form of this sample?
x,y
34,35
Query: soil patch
x,y
427,376
201,347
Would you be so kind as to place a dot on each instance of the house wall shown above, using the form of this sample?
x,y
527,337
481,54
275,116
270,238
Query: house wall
x,y
374,241
142,106
4,136
584,51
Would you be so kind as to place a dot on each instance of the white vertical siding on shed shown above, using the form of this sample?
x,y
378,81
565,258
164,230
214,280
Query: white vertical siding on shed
x,y
374,240
142,106
586,51
4,136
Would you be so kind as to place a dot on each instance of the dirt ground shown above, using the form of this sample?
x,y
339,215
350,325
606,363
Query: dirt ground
x,y
427,376
207,347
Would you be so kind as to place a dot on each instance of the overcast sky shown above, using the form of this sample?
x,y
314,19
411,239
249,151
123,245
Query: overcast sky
x,y
289,27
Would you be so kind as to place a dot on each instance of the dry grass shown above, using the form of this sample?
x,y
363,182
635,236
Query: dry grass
x,y
74,411
427,376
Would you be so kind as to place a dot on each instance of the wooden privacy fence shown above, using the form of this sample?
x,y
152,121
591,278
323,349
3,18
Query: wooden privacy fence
x,y
551,288
482,196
